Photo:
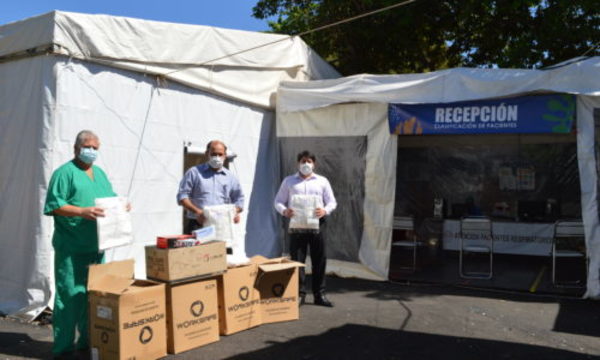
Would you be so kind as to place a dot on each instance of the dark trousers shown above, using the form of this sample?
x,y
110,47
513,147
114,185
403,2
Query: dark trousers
x,y
299,242
191,225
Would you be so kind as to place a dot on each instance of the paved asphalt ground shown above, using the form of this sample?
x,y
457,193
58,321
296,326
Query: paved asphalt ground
x,y
375,320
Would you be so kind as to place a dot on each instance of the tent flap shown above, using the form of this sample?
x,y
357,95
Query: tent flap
x,y
460,84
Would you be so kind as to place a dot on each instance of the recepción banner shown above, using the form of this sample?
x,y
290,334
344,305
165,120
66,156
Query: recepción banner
x,y
523,115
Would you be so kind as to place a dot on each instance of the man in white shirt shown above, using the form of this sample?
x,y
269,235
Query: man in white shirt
x,y
306,182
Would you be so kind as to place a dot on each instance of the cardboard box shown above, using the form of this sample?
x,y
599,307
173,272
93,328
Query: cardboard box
x,y
187,262
239,300
127,316
192,315
277,282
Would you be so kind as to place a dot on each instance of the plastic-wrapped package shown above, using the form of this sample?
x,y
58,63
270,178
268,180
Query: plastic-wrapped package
x,y
304,218
114,228
221,217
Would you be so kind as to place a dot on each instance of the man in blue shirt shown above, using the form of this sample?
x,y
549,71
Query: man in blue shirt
x,y
209,184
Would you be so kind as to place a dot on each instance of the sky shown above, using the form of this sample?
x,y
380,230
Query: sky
x,y
233,14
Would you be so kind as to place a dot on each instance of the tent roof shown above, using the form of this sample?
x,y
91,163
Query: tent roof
x,y
459,84
198,54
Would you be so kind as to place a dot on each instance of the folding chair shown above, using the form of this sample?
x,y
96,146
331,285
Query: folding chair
x,y
408,240
568,243
476,238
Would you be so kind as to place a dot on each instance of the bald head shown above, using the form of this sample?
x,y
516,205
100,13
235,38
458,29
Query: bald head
x,y
216,148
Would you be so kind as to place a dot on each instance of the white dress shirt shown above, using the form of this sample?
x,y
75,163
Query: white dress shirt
x,y
312,185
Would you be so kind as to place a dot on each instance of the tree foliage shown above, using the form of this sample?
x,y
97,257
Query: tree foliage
x,y
429,35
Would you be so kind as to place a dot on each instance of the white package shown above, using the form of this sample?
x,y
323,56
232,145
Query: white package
x,y
205,234
304,217
221,217
114,228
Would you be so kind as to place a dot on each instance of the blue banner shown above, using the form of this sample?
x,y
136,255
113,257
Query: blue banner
x,y
522,115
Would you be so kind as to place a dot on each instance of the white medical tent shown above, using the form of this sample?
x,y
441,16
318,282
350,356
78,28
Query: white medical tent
x,y
149,90
353,112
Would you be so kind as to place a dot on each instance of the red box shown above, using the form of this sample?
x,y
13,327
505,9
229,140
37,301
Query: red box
x,y
165,242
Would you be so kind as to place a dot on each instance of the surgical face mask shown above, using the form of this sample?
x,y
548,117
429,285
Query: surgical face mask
x,y
306,168
88,155
216,162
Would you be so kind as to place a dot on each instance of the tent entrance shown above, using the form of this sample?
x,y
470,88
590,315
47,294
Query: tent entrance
x,y
192,155
523,183
195,155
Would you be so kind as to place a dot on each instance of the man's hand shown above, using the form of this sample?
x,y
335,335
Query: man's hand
x,y
91,213
200,216
320,212
288,213
128,207
236,218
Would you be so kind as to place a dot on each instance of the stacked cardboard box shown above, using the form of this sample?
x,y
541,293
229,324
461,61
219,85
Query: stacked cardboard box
x,y
191,291
260,292
239,300
186,263
188,306
277,282
127,316
192,315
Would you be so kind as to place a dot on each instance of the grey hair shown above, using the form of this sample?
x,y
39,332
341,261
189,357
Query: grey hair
x,y
83,136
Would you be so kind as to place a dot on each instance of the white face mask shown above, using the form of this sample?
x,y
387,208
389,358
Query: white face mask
x,y
306,168
216,162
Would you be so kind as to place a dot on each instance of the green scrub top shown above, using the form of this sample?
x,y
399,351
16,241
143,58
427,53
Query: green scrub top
x,y
70,185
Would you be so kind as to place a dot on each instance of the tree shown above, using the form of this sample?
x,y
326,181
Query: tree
x,y
430,35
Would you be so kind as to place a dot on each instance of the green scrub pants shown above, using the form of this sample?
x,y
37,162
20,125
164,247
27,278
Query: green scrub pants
x,y
70,301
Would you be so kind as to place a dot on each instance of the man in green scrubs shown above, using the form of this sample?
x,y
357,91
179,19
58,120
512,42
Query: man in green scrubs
x,y
73,188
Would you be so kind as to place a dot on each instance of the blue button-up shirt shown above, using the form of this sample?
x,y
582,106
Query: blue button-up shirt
x,y
205,186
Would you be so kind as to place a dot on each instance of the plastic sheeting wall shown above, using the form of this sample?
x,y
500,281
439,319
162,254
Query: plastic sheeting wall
x,y
346,122
460,169
128,111
342,160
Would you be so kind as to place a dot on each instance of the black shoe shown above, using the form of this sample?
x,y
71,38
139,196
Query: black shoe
x,y
321,299
82,354
64,356
302,298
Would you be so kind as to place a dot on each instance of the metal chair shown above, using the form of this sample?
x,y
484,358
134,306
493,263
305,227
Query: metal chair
x,y
476,237
568,242
409,241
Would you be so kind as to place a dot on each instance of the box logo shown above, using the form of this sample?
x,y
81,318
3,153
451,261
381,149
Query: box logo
x,y
277,289
197,308
146,334
140,322
244,293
